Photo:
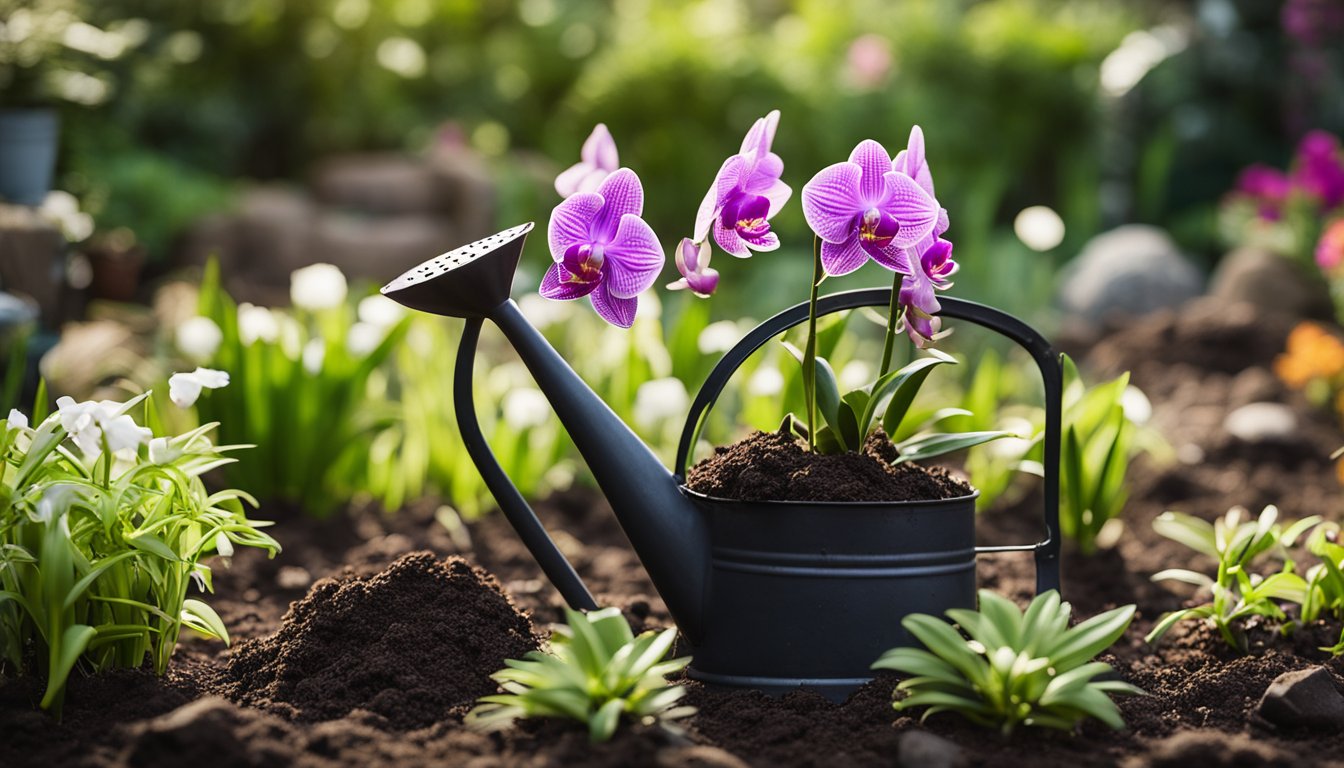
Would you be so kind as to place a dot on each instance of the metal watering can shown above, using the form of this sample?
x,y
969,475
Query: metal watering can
x,y
770,595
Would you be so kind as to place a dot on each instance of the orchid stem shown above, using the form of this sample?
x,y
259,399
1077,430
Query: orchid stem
x,y
810,351
889,345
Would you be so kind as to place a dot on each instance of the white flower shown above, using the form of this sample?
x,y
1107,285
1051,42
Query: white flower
x,y
223,546
718,337
256,323
363,338
314,354
525,407
89,424
163,452
184,388
659,400
199,338
767,381
317,287
380,311
1135,404
16,420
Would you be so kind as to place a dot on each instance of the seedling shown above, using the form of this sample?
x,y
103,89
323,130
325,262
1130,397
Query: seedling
x,y
595,672
1028,669
1238,546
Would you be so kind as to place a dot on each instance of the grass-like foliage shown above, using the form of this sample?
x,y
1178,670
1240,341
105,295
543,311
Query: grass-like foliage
x,y
596,671
1016,668
103,528
298,392
1237,592
1325,580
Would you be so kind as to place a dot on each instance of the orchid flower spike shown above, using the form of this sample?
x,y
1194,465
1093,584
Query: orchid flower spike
x,y
603,249
745,195
597,160
693,264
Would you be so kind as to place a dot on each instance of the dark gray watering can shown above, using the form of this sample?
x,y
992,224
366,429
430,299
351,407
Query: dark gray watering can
x,y
770,595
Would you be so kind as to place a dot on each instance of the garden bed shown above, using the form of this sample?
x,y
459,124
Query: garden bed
x,y
350,652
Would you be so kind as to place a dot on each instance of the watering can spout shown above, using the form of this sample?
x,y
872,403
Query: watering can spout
x,y
665,527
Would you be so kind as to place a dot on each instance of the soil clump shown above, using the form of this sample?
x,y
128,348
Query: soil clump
x,y
776,466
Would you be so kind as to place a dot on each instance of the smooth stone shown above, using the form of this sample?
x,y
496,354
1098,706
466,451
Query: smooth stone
x,y
921,749
1131,270
1306,698
1271,283
1261,422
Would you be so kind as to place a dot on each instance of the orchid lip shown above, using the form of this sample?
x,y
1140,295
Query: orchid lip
x,y
583,262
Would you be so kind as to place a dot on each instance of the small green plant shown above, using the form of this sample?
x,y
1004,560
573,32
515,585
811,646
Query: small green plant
x,y
103,528
851,418
596,671
1237,592
1017,668
1325,580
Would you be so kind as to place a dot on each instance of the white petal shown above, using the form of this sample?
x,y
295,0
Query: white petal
x,y
199,338
122,432
318,287
210,378
222,545
16,420
314,354
363,338
163,452
183,389
380,311
256,323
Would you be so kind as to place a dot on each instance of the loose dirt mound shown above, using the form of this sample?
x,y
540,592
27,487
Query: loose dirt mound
x,y
412,644
773,466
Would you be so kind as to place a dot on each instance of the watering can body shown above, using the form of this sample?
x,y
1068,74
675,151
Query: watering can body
x,y
767,595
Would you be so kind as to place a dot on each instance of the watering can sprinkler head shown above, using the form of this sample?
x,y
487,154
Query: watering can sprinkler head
x,y
467,282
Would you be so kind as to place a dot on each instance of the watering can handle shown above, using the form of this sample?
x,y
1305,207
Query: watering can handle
x,y
1052,373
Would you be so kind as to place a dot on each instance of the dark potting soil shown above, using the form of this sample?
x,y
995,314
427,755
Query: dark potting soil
x,y
776,466
412,644
1201,695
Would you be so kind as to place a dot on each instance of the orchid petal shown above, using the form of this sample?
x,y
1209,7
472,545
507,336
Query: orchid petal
x,y
704,217
688,256
764,175
912,207
615,310
761,135
599,149
911,161
891,257
876,163
557,284
730,241
778,194
763,244
842,258
917,290
831,201
571,221
570,179
633,258
621,194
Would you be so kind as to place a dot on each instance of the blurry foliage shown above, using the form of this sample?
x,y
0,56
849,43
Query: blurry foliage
x,y
1006,90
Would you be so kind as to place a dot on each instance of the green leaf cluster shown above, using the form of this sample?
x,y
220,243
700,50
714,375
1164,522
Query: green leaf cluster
x,y
1016,669
303,422
1238,593
848,419
1325,580
595,672
97,555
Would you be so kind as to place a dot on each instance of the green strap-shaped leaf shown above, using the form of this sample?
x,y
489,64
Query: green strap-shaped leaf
x,y
203,619
905,386
928,446
67,651
602,725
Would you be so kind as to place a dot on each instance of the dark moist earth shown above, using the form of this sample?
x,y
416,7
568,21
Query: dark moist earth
x,y
354,648
776,466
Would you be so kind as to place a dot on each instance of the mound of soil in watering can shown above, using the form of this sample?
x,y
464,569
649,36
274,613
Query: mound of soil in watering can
x,y
776,466
411,643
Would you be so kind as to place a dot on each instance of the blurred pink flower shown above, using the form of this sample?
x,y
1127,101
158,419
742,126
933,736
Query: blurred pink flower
x,y
869,61
1330,249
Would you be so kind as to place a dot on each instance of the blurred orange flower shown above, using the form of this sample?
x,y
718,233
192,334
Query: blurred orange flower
x,y
1312,353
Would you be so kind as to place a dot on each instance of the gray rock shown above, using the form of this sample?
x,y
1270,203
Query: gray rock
x,y
1262,422
1271,283
921,749
1131,270
377,249
379,183
1306,698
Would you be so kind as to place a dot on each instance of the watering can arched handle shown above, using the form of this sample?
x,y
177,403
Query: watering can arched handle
x,y
1052,374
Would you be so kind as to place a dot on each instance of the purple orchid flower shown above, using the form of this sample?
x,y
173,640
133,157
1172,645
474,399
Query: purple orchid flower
x,y
1319,169
746,194
693,264
867,208
1268,187
597,160
603,249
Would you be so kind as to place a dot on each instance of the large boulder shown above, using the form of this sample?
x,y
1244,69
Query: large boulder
x,y
1131,270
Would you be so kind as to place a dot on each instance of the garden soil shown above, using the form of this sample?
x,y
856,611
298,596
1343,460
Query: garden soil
x,y
365,641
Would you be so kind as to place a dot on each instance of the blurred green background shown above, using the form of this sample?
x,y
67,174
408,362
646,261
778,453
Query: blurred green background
x,y
1105,111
